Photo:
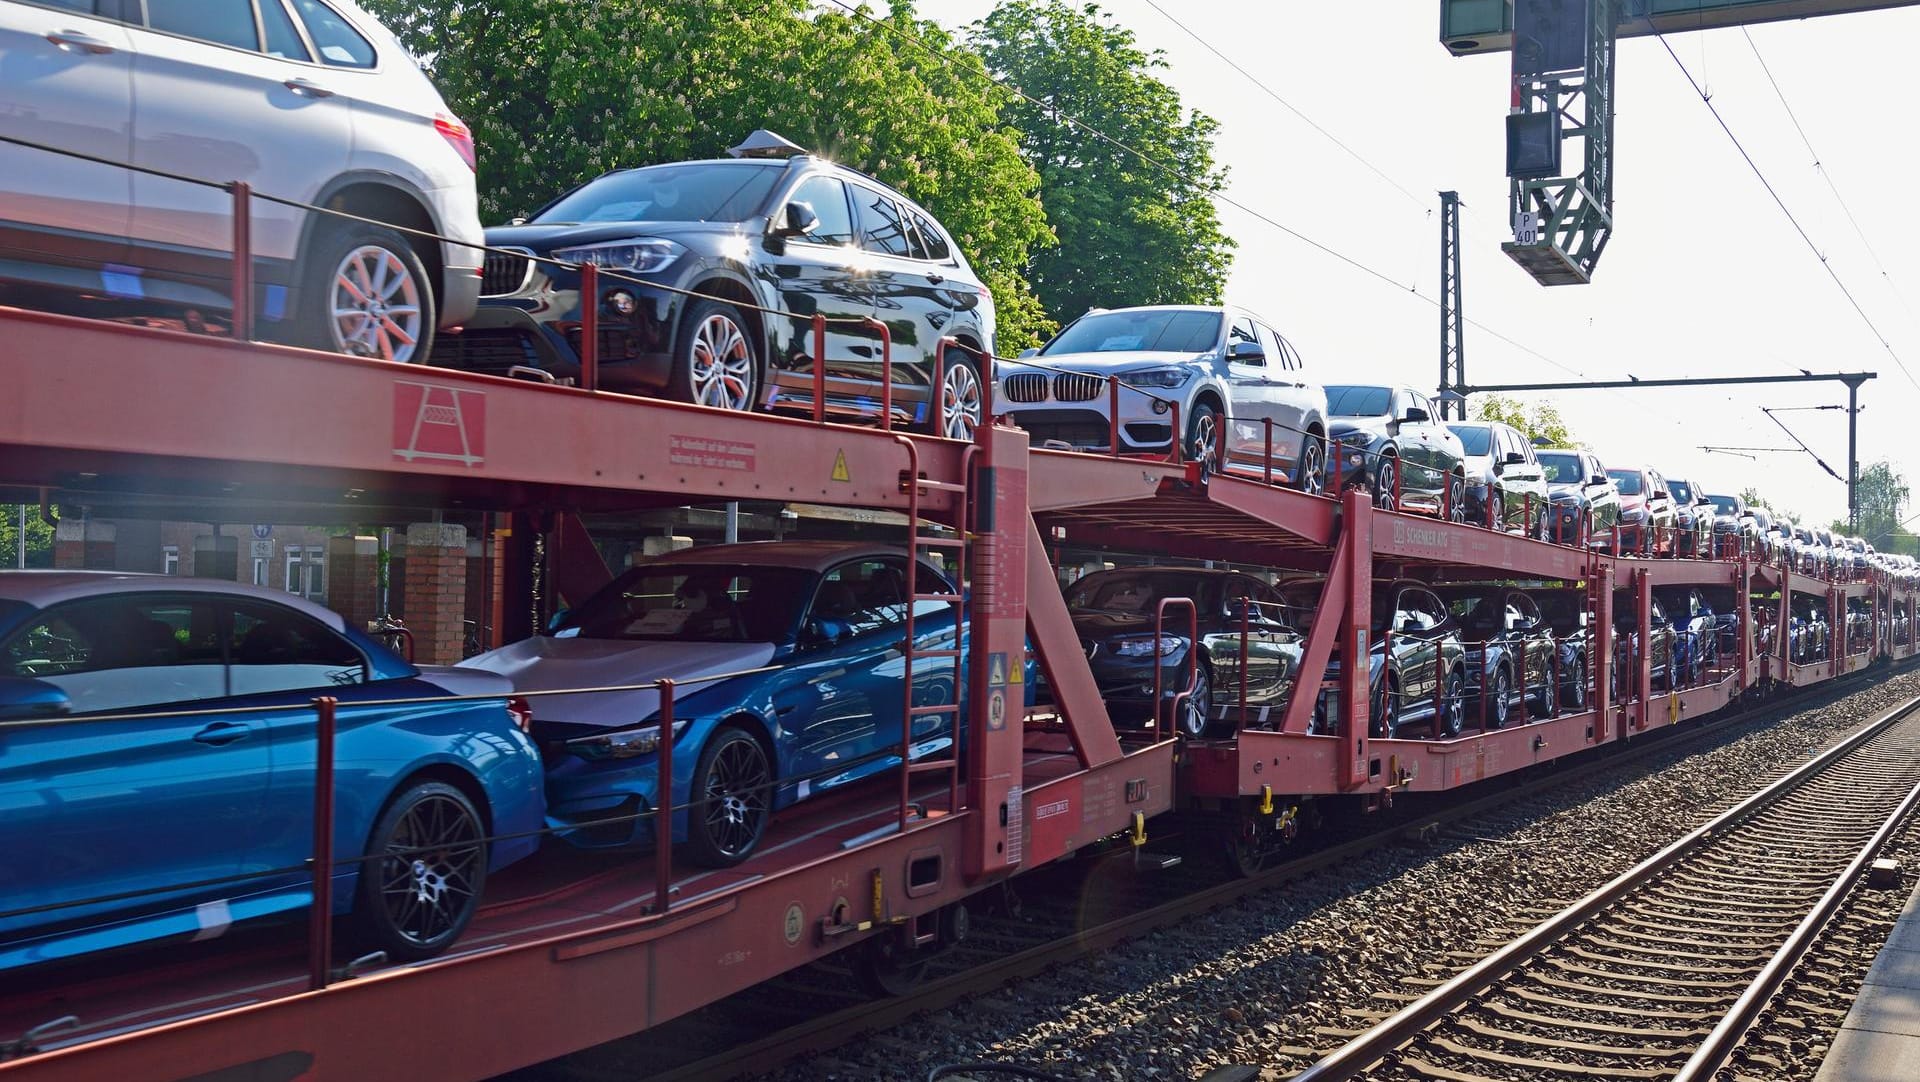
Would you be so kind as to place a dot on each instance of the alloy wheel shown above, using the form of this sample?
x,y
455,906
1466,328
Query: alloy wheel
x,y
1385,479
738,793
376,305
959,402
434,862
1312,470
721,364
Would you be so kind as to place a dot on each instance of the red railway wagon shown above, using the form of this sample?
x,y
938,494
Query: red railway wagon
x,y
574,948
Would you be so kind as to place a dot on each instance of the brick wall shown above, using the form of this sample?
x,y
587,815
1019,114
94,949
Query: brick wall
x,y
80,543
436,590
353,578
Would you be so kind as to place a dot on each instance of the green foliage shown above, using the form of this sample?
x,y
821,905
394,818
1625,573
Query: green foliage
x,y
1536,422
559,91
1752,498
39,538
1881,495
1129,233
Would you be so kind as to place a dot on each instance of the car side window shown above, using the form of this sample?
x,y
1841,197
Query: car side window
x,y
880,223
1240,331
273,648
935,241
828,198
81,7
338,42
222,22
122,653
283,40
1270,345
864,595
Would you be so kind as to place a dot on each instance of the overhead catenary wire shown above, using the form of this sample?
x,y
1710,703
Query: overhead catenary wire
x,y
1707,100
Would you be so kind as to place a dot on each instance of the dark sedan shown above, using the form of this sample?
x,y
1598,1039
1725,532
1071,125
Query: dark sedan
x,y
711,273
1416,665
1115,615
1510,649
1506,488
1565,612
1735,527
1388,438
1693,515
1585,504
1627,650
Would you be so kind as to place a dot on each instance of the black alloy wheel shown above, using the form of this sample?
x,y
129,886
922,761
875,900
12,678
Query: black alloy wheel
x,y
1456,498
416,897
1385,479
731,799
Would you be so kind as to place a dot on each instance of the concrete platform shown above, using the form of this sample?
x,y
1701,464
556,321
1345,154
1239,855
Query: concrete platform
x,y
1880,1039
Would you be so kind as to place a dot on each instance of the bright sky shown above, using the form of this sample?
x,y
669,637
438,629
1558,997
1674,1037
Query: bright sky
x,y
1704,274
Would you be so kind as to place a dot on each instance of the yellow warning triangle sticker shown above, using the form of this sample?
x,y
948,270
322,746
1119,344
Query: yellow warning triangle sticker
x,y
840,466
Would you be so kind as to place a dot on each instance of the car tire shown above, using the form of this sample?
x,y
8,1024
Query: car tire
x,y
1497,510
1457,498
1310,473
715,361
1203,437
362,290
1383,708
730,799
1500,707
955,411
1453,707
1574,697
1385,476
1196,709
428,867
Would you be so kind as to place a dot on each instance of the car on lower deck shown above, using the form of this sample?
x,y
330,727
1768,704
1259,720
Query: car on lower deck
x,y
309,102
1564,610
710,275
1416,666
1219,372
1118,615
158,769
790,663
1627,648
1509,652
1388,437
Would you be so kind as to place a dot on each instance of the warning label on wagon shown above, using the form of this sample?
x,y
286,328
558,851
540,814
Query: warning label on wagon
x,y
706,452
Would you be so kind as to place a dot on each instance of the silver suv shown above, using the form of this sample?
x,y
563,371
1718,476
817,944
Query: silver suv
x,y
307,100
1220,365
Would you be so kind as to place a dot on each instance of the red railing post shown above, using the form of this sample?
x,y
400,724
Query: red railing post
x,y
1399,476
1492,524
1266,473
1179,451
242,260
320,916
1113,416
663,807
1193,653
1246,629
1439,688
1336,452
590,326
1553,681
1486,687
819,368
1220,427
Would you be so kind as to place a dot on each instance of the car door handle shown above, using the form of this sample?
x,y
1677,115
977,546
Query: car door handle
x,y
221,733
73,41
307,88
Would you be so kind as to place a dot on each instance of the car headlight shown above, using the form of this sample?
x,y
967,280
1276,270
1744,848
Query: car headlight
x,y
638,256
1166,376
1147,646
624,744
1632,514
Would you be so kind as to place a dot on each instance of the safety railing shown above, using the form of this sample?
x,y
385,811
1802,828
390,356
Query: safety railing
x,y
1169,712
331,714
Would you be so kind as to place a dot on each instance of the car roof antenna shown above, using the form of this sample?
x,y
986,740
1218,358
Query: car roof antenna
x,y
765,144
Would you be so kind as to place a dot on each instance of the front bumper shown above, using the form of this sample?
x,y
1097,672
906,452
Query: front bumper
x,y
1077,411
538,327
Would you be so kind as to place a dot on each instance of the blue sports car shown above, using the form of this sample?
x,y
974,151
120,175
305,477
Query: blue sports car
x,y
149,790
809,638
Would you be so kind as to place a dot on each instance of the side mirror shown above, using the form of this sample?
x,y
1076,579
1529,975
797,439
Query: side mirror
x,y
1416,415
1409,626
1247,352
1514,458
558,619
1597,479
1030,351
23,698
796,219
823,631
518,219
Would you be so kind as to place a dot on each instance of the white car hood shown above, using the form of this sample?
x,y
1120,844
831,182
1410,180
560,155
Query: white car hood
x,y
546,663
1105,364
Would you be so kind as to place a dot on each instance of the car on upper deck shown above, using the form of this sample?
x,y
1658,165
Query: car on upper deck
x,y
1693,515
310,102
1585,503
1217,371
1506,486
157,771
710,274
1389,438
1646,511
1735,528
790,666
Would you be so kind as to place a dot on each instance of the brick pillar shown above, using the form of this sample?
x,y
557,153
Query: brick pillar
x,y
436,590
353,578
82,543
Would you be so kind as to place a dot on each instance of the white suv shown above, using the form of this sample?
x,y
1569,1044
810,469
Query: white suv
x,y
307,100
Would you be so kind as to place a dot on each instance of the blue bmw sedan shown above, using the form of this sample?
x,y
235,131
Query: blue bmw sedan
x,y
152,788
790,672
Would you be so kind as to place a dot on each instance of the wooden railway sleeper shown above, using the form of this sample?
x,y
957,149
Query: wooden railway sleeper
x,y
1561,1044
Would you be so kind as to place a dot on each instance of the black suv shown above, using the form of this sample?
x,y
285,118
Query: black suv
x,y
772,228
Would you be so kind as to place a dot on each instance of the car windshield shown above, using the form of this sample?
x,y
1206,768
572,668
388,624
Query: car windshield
x,y
1725,505
1681,491
1160,329
1358,401
693,603
1628,481
1474,438
696,192
1140,592
1561,467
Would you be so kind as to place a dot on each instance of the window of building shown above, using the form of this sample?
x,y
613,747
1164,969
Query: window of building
x,y
170,559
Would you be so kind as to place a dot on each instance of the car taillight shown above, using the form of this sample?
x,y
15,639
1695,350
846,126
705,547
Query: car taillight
x,y
459,136
521,713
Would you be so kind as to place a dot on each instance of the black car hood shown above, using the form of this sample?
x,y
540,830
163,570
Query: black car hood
x,y
1099,624
548,236
1566,490
1374,428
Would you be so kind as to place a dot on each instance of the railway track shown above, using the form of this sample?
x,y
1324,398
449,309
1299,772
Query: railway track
x,y
1659,973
